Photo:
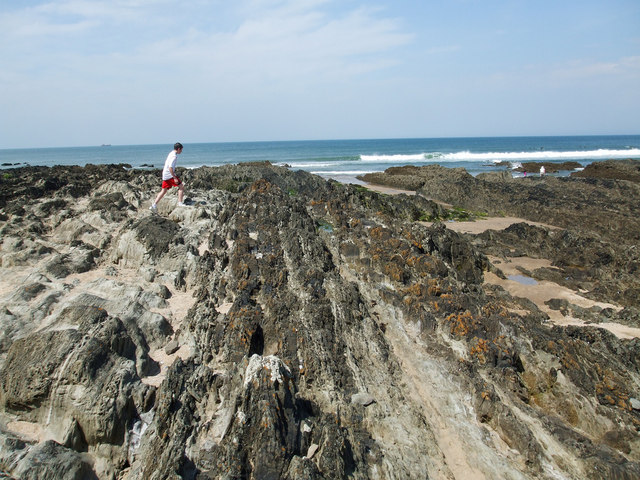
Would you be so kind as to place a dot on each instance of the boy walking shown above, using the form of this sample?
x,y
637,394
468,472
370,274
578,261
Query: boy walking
x,y
169,178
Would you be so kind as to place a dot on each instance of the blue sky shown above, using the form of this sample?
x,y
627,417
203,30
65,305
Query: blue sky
x,y
87,72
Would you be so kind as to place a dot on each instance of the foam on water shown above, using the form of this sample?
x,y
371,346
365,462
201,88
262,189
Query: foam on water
x,y
599,154
496,157
330,158
421,157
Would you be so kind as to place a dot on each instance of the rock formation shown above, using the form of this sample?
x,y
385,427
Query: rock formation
x,y
287,327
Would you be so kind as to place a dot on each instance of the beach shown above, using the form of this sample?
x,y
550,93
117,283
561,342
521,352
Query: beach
x,y
279,315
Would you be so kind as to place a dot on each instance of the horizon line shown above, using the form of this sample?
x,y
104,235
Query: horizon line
x,y
105,145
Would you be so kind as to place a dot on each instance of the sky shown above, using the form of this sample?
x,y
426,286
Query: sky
x,y
133,72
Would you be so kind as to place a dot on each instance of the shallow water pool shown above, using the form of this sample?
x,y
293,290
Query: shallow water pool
x,y
522,279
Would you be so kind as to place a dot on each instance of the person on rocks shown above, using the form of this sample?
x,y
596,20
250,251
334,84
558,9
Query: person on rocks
x,y
542,171
170,179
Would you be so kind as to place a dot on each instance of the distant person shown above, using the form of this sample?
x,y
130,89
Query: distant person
x,y
542,171
169,178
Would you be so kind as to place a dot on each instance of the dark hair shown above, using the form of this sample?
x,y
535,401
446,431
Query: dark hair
x,y
177,146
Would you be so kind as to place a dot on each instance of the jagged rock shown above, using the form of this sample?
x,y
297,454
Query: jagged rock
x,y
82,378
628,170
550,167
50,460
290,297
79,259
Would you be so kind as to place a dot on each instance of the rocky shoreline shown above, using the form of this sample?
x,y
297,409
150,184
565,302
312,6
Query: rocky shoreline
x,y
285,326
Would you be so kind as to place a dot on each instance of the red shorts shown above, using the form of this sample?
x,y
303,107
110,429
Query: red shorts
x,y
172,182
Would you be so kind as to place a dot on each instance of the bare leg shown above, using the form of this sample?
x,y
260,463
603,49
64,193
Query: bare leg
x,y
160,195
180,192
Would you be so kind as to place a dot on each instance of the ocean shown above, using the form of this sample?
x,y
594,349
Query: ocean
x,y
343,160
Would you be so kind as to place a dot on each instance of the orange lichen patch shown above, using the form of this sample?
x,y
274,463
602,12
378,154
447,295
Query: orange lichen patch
x,y
568,361
424,264
434,288
394,244
242,314
417,290
412,239
375,232
393,271
480,349
608,390
461,323
261,186
494,308
379,233
411,260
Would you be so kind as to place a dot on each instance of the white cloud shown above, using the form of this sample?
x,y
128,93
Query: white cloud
x,y
583,69
100,59
291,37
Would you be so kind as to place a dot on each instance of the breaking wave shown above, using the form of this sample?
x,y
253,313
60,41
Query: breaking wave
x,y
496,157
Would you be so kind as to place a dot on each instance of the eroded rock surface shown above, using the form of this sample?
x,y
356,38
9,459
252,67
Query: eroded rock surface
x,y
284,326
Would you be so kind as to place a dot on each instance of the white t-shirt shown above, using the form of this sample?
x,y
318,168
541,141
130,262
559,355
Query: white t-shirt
x,y
170,162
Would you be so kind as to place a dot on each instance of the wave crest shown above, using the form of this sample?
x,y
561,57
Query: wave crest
x,y
496,157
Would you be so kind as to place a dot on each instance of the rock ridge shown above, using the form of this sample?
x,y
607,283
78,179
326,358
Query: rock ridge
x,y
288,327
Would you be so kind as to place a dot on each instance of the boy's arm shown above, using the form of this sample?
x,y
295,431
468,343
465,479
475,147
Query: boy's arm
x,y
173,174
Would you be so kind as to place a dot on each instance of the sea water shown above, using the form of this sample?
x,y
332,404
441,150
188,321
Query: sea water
x,y
346,159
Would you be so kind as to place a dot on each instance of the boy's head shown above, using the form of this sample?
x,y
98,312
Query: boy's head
x,y
177,146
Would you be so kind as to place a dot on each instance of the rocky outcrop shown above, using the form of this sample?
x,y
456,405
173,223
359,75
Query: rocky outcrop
x,y
550,167
284,326
627,170
602,206
596,248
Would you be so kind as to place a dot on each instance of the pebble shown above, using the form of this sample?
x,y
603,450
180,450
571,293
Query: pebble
x,y
172,347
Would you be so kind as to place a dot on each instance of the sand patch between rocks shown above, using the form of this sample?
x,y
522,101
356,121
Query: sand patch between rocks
x,y
27,431
490,223
388,190
165,361
179,305
475,227
544,291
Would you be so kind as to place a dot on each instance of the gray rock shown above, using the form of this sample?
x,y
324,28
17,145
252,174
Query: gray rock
x,y
51,460
149,274
172,347
363,399
380,304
